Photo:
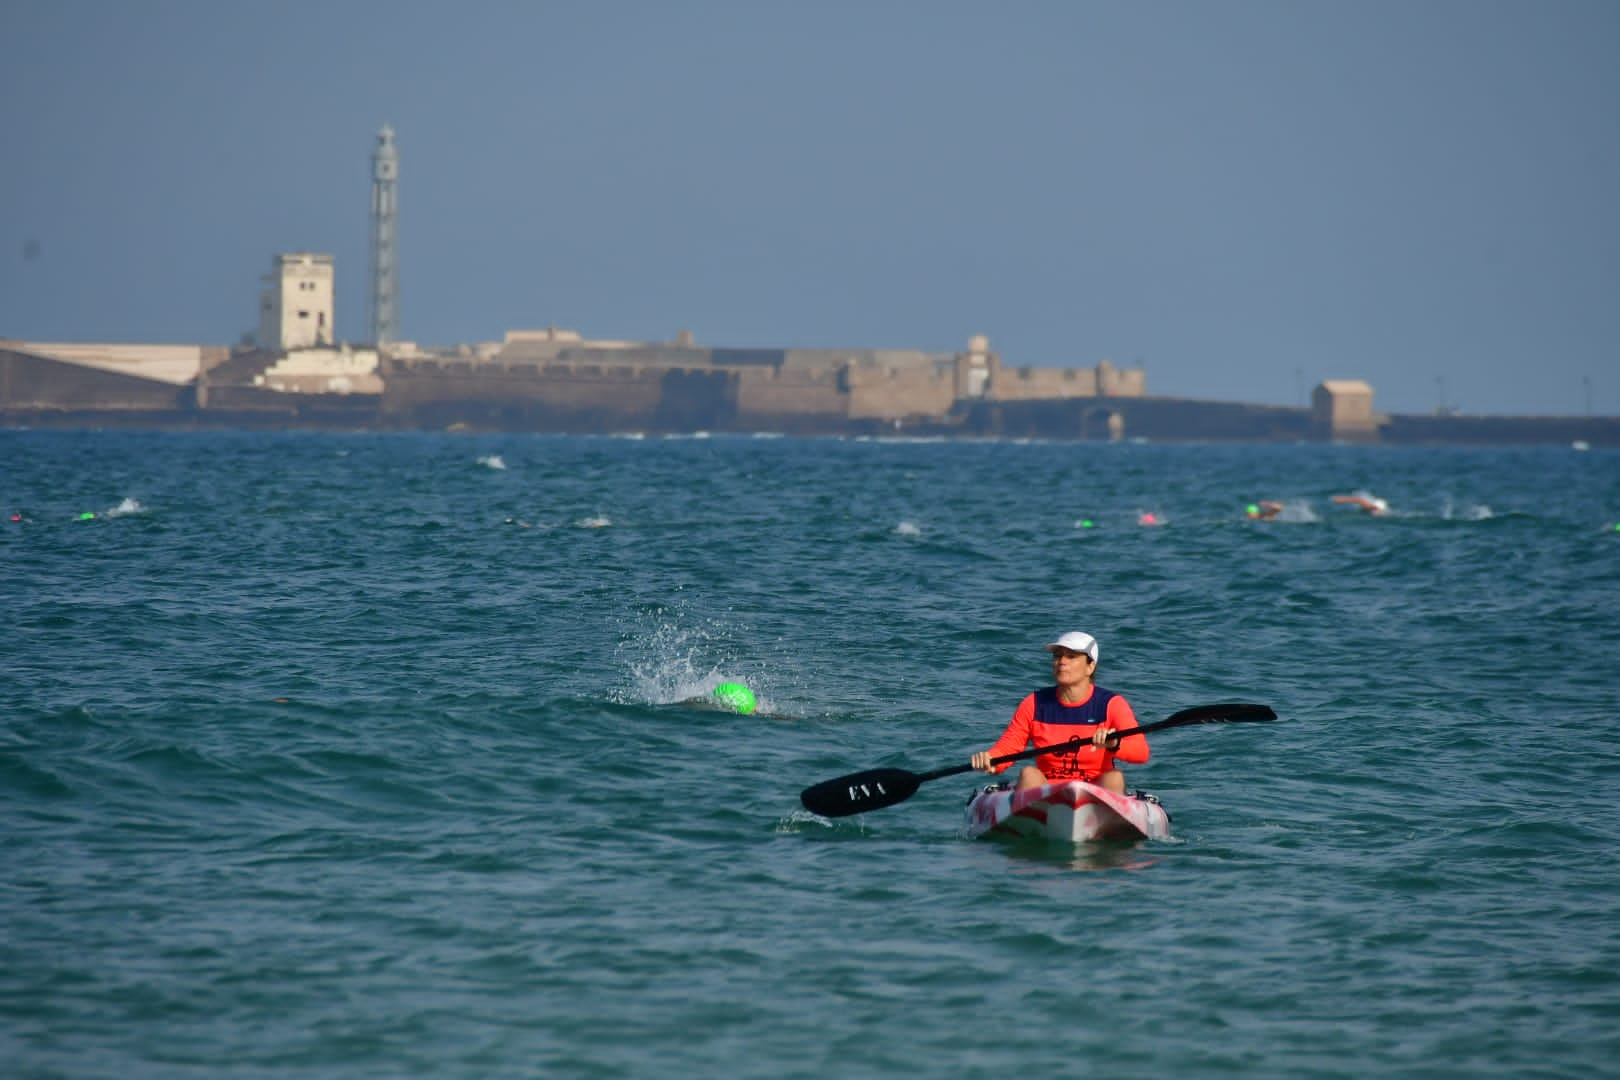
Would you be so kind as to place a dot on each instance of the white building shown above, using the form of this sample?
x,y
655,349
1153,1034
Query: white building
x,y
295,308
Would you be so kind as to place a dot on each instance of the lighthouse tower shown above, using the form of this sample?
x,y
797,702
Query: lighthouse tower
x,y
385,239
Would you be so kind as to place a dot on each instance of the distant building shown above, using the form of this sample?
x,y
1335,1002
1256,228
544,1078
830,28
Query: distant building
x,y
296,353
1343,409
295,307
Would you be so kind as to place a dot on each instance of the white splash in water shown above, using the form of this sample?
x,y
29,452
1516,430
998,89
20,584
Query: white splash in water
x,y
1297,511
682,664
1470,512
906,528
128,506
674,666
492,461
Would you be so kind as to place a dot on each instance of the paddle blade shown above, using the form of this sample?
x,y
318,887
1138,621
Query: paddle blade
x,y
859,792
1229,712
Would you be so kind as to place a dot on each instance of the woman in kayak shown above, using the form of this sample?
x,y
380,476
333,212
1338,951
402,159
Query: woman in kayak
x,y
1074,709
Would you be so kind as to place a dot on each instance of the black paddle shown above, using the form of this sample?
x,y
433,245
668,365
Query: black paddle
x,y
876,788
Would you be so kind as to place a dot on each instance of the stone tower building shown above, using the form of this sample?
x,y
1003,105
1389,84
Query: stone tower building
x,y
295,307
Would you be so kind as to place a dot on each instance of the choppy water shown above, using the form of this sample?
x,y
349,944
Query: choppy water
x,y
340,756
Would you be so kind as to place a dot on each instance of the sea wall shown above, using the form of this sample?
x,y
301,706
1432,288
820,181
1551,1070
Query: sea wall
x,y
1501,430
1157,419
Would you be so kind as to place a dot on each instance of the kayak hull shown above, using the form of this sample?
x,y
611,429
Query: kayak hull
x,y
1074,812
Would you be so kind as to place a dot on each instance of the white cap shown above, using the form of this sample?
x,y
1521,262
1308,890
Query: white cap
x,y
1075,641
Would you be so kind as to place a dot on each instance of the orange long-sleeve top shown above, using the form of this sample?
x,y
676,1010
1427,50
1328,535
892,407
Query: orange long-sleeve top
x,y
1080,720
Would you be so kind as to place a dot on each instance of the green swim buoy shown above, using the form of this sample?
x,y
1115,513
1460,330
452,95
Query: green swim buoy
x,y
736,697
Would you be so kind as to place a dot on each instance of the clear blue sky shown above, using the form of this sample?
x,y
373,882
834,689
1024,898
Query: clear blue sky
x,y
1242,196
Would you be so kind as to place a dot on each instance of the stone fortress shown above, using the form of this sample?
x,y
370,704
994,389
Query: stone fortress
x,y
293,373
541,380
557,380
552,380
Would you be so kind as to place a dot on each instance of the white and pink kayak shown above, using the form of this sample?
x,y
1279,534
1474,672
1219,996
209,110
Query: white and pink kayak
x,y
1076,812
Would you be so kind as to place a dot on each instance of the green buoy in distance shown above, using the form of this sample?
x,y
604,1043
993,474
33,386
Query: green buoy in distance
x,y
736,697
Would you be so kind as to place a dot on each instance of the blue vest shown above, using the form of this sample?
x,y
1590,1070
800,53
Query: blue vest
x,y
1048,710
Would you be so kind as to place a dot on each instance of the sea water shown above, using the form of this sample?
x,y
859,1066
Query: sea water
x,y
374,755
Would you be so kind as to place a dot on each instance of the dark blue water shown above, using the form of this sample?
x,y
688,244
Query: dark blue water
x,y
365,755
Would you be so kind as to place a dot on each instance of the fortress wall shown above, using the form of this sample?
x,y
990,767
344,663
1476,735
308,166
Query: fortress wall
x,y
248,399
1104,380
906,360
899,393
620,388
256,406
824,359
696,401
721,384
1120,382
29,381
661,357
769,391
748,358
882,360
1026,383
890,384
173,364
624,389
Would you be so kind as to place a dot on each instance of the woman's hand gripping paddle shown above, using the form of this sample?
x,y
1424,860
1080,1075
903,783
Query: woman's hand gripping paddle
x,y
875,789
